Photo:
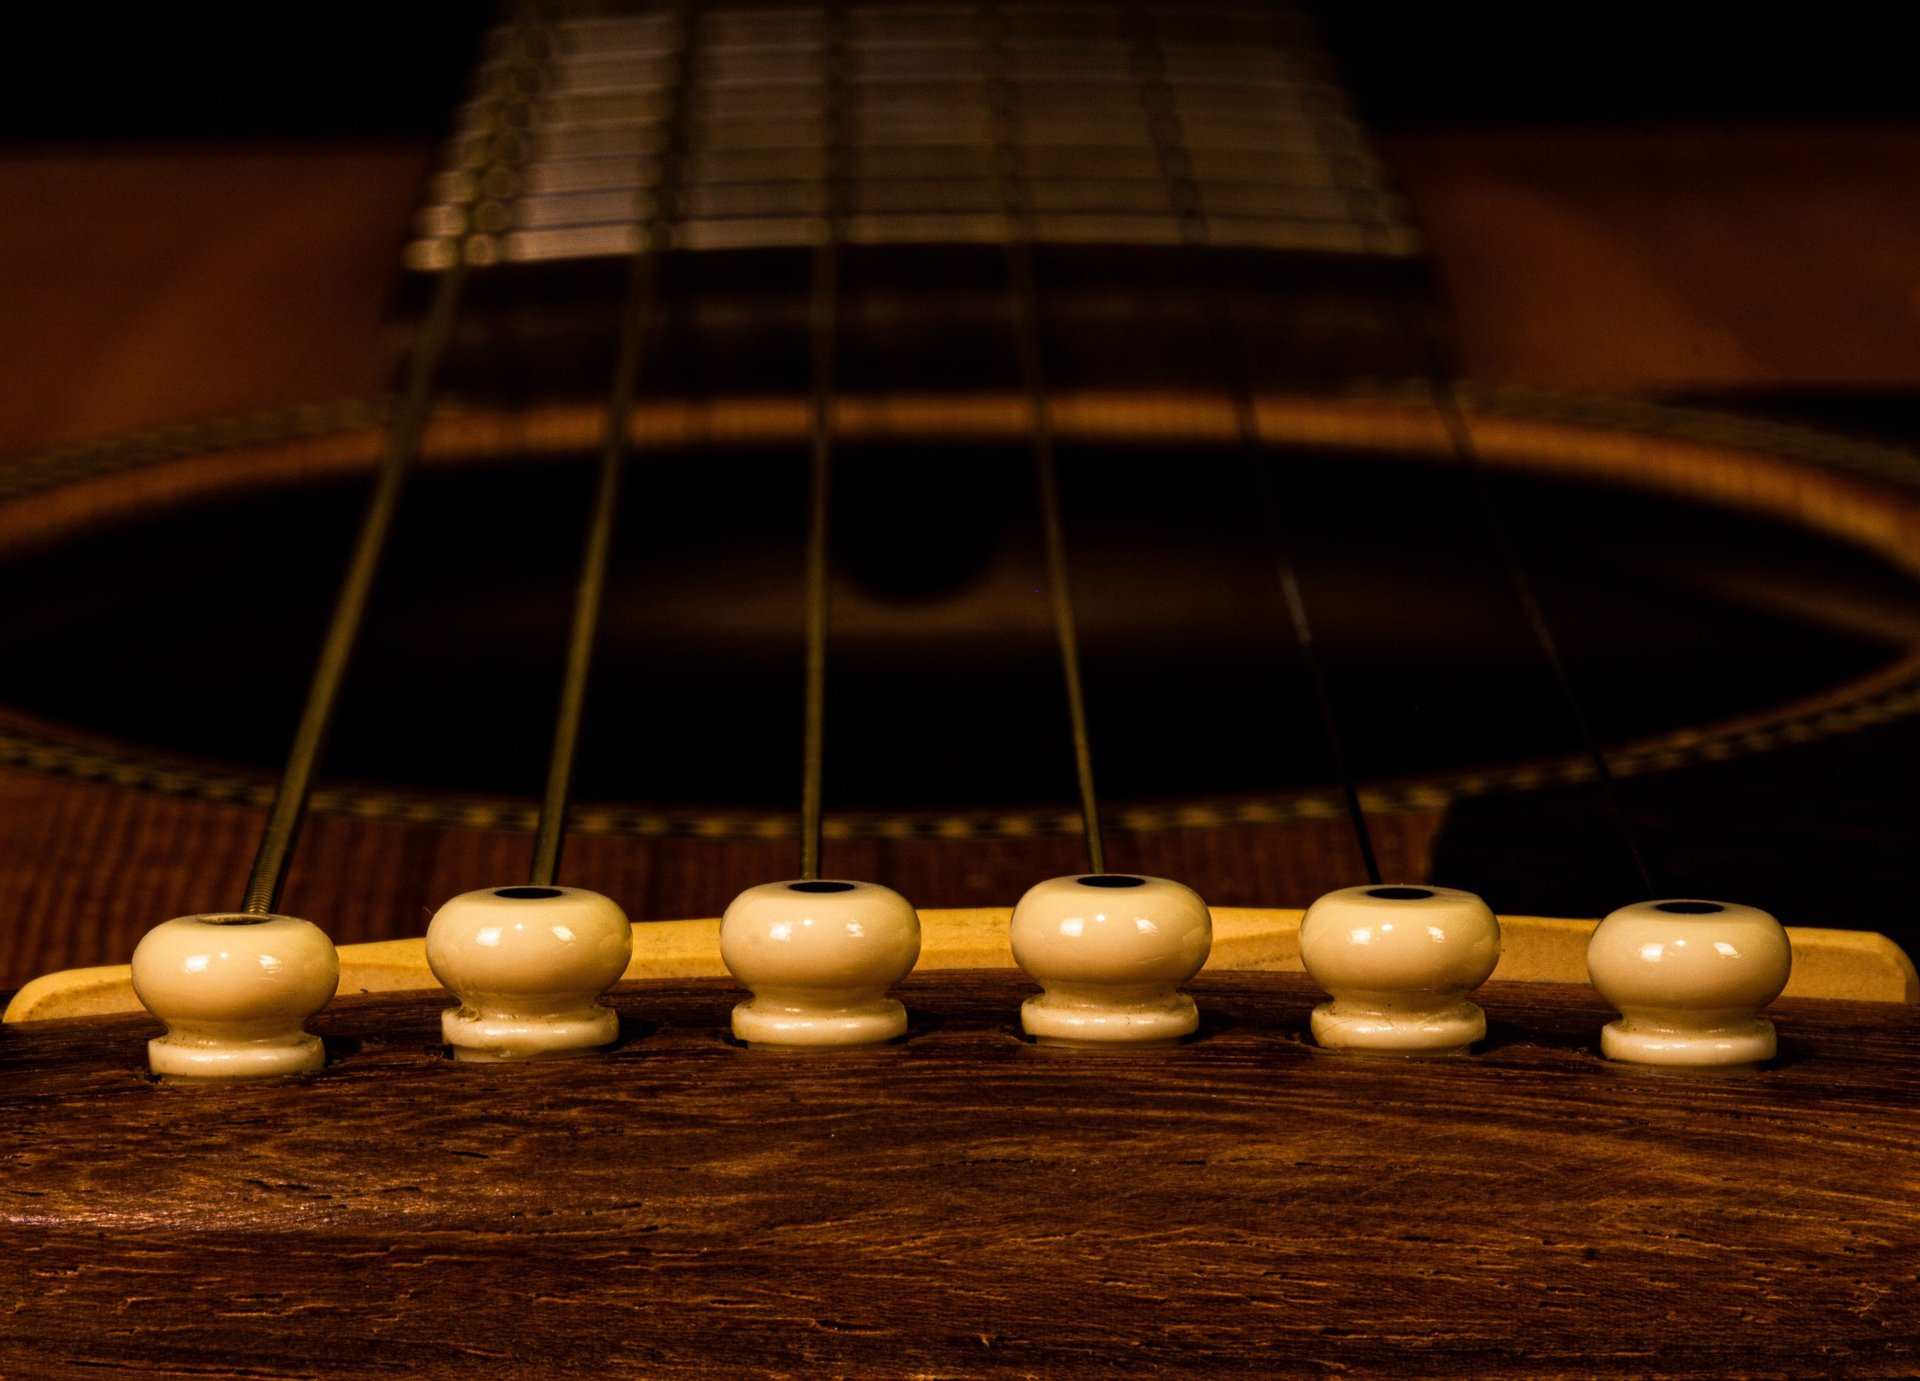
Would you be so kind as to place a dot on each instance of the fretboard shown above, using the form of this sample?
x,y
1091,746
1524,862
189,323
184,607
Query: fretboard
x,y
1128,125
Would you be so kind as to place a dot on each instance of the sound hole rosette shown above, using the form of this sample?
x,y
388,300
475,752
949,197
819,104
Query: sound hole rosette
x,y
1864,495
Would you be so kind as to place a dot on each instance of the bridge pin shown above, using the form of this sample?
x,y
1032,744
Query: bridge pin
x,y
1689,978
1399,962
528,965
819,957
1110,951
235,991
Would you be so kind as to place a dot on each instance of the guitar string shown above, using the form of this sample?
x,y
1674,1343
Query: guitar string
x,y
655,231
1016,206
281,832
823,319
1231,358
290,801
1429,362
1446,402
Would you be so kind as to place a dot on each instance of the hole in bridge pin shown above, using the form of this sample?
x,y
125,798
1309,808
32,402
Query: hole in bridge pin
x,y
235,920
1112,880
820,887
1689,908
526,893
1400,893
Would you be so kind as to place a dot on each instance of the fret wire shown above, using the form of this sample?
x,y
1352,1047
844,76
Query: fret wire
x,y
926,194
1430,363
589,173
823,315
636,322
983,227
281,833
1156,97
1024,295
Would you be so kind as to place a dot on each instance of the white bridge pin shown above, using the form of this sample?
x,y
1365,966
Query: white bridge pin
x,y
235,991
1689,979
1110,951
819,956
529,965
1399,963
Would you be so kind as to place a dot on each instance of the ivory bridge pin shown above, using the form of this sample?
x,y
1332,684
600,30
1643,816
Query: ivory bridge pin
x,y
1110,951
1689,979
819,957
1399,962
235,991
528,965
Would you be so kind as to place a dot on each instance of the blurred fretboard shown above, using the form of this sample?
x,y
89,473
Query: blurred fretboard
x,y
1131,125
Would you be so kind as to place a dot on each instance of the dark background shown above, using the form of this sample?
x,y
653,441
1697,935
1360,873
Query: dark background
x,y
360,70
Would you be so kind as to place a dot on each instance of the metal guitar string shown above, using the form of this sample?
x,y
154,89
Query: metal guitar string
x,y
1435,373
1446,402
1018,217
282,829
1430,364
1016,204
823,324
1188,204
636,327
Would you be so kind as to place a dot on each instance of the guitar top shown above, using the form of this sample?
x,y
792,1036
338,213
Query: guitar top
x,y
985,449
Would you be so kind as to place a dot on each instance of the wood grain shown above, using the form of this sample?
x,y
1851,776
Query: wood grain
x,y
966,1204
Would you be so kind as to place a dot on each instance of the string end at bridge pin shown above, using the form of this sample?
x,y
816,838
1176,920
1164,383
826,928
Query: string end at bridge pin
x,y
235,991
819,957
529,965
1110,951
1689,979
1399,962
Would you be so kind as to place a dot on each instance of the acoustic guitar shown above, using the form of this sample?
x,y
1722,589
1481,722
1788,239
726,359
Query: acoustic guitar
x,y
939,448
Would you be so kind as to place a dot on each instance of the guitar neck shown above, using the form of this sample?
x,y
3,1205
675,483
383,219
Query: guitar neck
x,y
1124,125
1194,153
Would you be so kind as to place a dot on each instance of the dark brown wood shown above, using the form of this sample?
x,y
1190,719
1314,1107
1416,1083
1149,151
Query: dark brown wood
x,y
966,1204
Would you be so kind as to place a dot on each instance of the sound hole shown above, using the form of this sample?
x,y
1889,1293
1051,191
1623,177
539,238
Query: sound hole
x,y
820,887
1670,614
1690,908
1112,880
526,893
1400,893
